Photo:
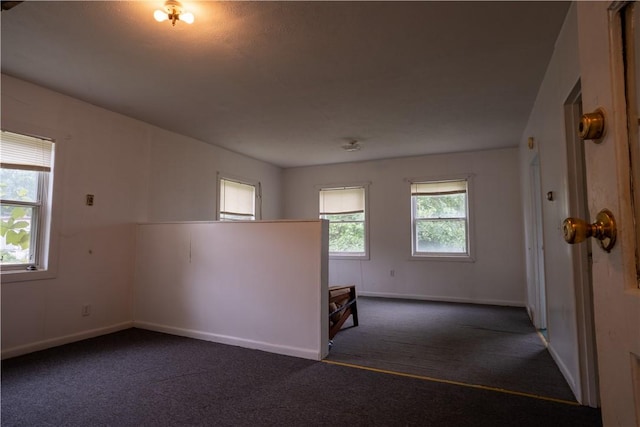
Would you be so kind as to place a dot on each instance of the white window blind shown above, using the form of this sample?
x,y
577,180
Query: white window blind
x,y
25,152
341,201
438,188
237,198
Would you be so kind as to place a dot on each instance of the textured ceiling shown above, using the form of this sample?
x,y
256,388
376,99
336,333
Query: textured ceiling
x,y
291,82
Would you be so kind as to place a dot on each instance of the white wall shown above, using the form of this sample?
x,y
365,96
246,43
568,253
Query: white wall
x,y
496,277
546,125
137,173
259,285
183,183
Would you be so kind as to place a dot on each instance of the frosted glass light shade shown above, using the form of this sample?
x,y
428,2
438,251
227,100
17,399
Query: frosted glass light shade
x,y
187,17
160,15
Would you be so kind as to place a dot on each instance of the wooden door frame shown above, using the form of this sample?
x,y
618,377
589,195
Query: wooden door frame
x,y
581,254
616,293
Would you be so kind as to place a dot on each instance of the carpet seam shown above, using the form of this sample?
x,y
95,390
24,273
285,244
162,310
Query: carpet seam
x,y
451,382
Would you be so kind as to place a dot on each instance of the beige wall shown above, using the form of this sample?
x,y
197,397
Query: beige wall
x,y
259,285
137,173
546,125
496,276
183,178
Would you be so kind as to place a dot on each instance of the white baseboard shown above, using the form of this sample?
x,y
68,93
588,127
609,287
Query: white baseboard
x,y
66,339
575,388
225,339
443,299
529,312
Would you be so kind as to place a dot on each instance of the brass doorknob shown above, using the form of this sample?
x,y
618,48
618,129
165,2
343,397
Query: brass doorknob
x,y
591,125
604,229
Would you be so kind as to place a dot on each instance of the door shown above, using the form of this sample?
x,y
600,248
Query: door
x,y
609,185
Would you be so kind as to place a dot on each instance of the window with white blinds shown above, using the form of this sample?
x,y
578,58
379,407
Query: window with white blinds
x,y
439,218
25,152
345,208
237,201
26,165
342,201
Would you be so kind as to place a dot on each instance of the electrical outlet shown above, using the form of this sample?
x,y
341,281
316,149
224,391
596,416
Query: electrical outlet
x,y
86,310
89,200
392,273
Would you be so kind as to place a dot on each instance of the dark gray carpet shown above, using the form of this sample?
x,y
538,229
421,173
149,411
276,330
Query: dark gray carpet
x,y
477,344
142,378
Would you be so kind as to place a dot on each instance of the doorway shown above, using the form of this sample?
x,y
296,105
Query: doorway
x,y
539,312
581,254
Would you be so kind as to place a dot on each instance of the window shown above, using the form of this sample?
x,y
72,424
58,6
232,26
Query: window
x,y
345,208
237,201
25,176
440,218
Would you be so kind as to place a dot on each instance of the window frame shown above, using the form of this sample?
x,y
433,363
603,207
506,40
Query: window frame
x,y
257,207
45,236
38,223
365,187
469,255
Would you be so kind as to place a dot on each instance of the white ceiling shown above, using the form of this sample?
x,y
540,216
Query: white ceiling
x,y
291,82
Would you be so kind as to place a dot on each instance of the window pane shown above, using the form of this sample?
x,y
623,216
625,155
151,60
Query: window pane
x,y
15,234
19,185
441,206
441,236
344,207
347,237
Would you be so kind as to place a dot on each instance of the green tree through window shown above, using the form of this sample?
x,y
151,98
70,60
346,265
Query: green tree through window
x,y
439,217
345,210
24,177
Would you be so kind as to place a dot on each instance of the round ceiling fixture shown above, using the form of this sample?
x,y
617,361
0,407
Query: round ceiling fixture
x,y
173,11
353,145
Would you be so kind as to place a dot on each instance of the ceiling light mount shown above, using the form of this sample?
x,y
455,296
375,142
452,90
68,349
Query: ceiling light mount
x,y
173,11
353,145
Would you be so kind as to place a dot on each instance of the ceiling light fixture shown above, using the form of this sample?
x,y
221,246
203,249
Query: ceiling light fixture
x,y
173,11
353,145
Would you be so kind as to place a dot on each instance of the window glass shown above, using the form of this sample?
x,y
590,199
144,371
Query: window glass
x,y
441,236
345,210
18,185
16,234
25,170
440,218
441,206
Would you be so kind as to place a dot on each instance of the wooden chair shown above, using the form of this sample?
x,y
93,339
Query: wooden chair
x,y
342,304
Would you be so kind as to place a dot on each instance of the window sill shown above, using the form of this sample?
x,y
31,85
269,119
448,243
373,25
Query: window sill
x,y
10,276
444,258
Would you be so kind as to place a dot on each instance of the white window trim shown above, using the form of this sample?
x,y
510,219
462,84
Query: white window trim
x,y
463,257
50,215
230,177
365,186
